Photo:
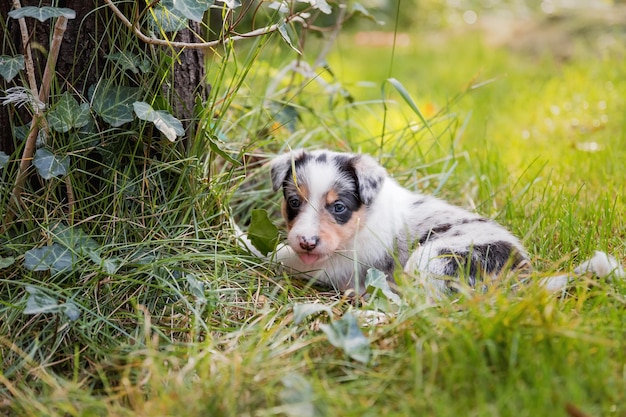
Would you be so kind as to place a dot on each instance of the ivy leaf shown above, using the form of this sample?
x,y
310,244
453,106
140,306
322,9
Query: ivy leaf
x,y
302,311
375,284
262,232
170,126
280,6
196,288
345,334
114,103
4,159
362,11
82,244
297,396
110,265
320,5
166,18
74,238
6,262
286,32
193,9
21,132
128,61
42,13
39,302
49,165
68,114
107,265
10,66
53,258
232,4
85,137
70,310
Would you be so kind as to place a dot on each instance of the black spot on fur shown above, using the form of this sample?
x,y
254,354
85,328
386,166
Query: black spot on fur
x,y
444,228
290,211
479,259
418,203
352,204
298,162
302,159
290,190
495,255
344,163
368,189
455,262
435,232
387,264
321,158
441,229
475,220
347,189
367,184
373,183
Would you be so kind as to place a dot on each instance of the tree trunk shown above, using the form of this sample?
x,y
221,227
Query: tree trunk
x,y
189,80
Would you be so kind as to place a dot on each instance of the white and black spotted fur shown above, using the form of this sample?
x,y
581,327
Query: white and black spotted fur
x,y
345,215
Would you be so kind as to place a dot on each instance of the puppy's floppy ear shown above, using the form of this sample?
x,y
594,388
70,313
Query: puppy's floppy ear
x,y
281,165
370,175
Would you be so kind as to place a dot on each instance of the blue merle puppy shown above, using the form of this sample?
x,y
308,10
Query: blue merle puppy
x,y
345,215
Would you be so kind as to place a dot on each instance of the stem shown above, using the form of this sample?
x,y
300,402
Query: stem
x,y
198,45
55,46
38,117
30,67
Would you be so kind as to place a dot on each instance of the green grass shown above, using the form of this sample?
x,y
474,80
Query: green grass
x,y
533,133
191,326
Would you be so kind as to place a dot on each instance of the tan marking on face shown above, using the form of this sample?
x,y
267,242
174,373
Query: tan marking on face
x,y
331,197
334,236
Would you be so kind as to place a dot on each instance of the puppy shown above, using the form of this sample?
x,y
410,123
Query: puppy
x,y
345,215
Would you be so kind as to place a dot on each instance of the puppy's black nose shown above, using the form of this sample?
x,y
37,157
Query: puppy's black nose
x,y
309,243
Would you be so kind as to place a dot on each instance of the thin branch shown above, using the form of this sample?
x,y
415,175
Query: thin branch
x,y
38,118
30,67
57,38
199,45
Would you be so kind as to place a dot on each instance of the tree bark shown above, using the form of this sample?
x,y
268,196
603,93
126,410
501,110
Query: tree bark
x,y
189,80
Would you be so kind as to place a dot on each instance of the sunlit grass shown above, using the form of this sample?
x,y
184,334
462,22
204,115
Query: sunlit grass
x,y
534,138
568,115
152,341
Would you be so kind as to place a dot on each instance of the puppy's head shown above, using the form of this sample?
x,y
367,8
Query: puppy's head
x,y
327,197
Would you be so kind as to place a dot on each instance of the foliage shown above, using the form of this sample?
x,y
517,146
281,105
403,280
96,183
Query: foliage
x,y
10,66
42,13
123,291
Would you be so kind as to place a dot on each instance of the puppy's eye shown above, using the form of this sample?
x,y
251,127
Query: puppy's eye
x,y
339,207
293,202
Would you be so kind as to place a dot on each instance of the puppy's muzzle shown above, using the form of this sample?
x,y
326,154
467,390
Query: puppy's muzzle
x,y
308,243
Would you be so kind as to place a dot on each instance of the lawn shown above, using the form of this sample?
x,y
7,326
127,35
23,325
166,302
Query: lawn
x,y
192,326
